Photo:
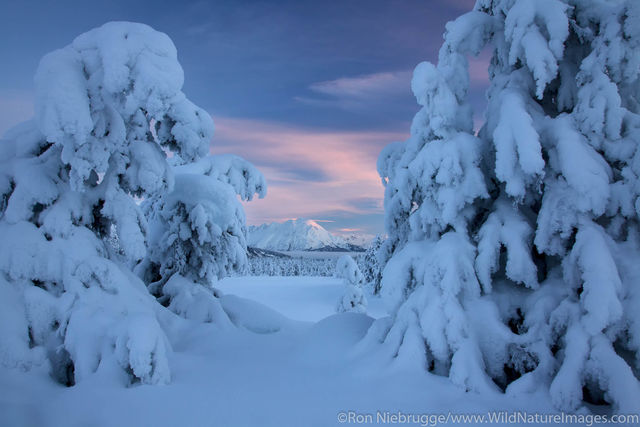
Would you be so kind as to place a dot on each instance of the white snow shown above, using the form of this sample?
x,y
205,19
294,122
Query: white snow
x,y
308,299
301,368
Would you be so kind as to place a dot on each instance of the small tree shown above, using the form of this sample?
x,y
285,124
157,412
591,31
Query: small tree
x,y
353,298
371,265
198,230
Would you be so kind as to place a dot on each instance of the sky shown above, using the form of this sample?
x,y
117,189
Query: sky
x,y
309,91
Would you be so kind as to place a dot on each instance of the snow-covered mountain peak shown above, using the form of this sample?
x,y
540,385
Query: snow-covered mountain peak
x,y
294,235
311,223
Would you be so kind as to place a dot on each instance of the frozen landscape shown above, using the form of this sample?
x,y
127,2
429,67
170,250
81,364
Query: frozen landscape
x,y
299,366
287,360
504,290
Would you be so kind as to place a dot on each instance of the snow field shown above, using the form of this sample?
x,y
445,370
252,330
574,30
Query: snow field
x,y
303,372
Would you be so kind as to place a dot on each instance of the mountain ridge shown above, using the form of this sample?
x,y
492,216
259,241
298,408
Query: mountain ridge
x,y
296,235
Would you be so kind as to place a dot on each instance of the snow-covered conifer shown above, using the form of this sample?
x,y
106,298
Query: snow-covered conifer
x,y
512,252
371,265
353,298
198,230
107,105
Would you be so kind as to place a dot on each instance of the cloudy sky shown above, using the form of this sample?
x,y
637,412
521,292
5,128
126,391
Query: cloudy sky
x,y
309,91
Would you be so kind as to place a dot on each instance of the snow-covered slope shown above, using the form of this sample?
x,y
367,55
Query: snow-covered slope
x,y
361,240
294,235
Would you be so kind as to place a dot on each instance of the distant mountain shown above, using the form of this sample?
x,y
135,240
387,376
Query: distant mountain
x,y
360,240
296,235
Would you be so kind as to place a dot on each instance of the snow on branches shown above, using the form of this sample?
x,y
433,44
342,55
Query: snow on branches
x,y
353,298
109,106
510,251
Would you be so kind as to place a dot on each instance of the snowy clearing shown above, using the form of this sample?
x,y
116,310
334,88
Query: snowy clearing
x,y
302,374
298,298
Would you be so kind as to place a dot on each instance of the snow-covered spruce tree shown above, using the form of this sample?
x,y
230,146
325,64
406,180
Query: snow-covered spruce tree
x,y
197,233
513,254
67,179
371,265
353,299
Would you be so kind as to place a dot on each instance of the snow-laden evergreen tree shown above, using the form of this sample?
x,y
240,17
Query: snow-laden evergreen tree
x,y
197,231
513,254
108,107
371,265
353,299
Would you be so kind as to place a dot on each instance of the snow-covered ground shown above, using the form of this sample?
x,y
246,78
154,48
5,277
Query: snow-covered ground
x,y
308,299
290,361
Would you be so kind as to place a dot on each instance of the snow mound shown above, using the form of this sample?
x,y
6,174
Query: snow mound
x,y
333,336
253,316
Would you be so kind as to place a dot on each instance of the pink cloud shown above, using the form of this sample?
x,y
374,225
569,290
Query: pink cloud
x,y
360,92
309,172
354,93
366,86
